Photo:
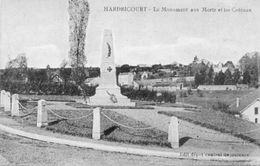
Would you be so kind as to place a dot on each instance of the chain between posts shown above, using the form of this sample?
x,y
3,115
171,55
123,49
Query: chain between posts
x,y
66,118
33,110
125,126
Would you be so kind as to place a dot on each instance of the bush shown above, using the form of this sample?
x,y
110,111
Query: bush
x,y
199,92
148,95
183,94
47,88
223,107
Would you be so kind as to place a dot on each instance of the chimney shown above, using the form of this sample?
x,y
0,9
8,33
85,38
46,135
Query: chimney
x,y
237,102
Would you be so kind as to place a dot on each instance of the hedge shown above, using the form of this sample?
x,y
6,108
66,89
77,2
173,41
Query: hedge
x,y
72,89
47,88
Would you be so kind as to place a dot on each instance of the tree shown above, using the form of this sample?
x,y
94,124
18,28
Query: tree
x,y
228,78
65,73
246,77
219,78
199,79
16,69
249,65
78,19
236,76
125,68
209,76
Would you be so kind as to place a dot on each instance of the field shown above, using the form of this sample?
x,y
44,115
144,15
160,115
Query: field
x,y
110,131
210,98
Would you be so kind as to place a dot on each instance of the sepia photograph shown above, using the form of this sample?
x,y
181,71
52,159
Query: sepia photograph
x,y
129,82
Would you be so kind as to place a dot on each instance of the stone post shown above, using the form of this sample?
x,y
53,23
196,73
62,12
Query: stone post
x,y
2,102
237,102
15,105
173,132
42,116
7,102
96,123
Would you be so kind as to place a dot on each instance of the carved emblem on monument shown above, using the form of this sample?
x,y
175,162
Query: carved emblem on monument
x,y
109,69
109,50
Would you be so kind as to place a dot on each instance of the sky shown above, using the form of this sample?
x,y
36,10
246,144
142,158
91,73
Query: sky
x,y
40,29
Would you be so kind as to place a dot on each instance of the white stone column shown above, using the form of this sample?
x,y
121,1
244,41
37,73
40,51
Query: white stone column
x,y
173,132
2,98
96,131
42,116
15,105
7,102
237,102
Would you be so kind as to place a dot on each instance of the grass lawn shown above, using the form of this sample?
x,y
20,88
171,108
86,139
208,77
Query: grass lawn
x,y
110,130
210,98
220,121
80,105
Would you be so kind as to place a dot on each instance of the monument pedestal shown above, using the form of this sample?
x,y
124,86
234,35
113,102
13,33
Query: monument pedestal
x,y
108,93
110,96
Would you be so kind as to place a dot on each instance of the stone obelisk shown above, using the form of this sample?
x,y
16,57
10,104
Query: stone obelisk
x,y
108,93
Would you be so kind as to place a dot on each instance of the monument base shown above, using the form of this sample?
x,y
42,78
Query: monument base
x,y
109,96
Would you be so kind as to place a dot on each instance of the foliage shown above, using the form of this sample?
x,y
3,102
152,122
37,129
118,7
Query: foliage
x,y
183,94
246,77
219,78
16,69
250,65
78,19
228,78
209,76
148,95
45,88
199,93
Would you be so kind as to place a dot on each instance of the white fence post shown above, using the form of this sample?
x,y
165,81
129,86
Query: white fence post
x,y
15,105
173,132
2,100
42,116
7,102
96,123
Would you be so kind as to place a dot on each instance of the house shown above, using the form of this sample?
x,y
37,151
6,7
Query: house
x,y
145,75
92,81
219,67
251,112
166,70
242,86
55,77
126,79
247,105
217,87
158,85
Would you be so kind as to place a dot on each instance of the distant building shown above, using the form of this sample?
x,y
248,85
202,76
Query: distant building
x,y
126,79
219,67
145,75
251,112
242,86
55,77
166,70
158,86
92,81
217,87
